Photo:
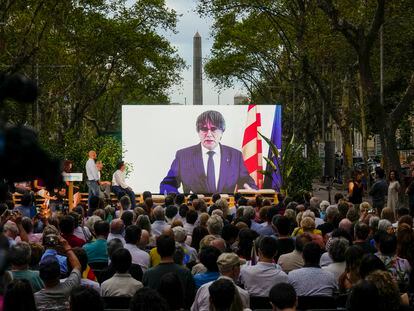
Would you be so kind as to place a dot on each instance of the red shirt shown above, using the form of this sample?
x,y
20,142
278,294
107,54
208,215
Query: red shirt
x,y
73,240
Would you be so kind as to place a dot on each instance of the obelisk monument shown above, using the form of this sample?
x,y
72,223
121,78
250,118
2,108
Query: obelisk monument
x,y
197,71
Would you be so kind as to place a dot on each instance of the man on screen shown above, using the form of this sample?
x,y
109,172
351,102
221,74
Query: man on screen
x,y
209,166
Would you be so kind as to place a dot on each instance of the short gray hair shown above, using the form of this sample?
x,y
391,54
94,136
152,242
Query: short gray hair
x,y
337,249
384,224
20,253
113,245
159,213
248,211
215,224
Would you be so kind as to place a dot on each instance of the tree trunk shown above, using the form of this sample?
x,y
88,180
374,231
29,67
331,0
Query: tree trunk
x,y
364,132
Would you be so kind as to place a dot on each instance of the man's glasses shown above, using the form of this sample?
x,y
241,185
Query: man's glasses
x,y
212,129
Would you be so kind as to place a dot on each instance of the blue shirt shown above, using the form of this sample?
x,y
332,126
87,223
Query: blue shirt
x,y
27,211
97,251
61,259
203,278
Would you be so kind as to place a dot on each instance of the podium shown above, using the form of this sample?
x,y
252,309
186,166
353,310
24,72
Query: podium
x,y
71,177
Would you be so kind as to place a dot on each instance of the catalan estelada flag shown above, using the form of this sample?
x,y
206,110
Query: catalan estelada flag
x,y
252,145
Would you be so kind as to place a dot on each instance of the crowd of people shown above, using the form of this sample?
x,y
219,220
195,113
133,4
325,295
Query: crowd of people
x,y
187,255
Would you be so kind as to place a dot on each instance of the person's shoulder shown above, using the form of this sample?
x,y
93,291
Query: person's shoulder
x,y
229,149
189,149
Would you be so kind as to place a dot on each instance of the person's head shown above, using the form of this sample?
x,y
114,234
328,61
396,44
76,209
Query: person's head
x,y
210,126
363,296
402,211
394,175
215,225
388,213
283,296
384,224
219,243
158,213
144,223
92,154
379,173
208,257
85,298
361,231
346,225
67,224
101,228
146,194
49,271
180,234
311,254
282,224
229,265
267,247
198,234
125,202
121,260
191,217
389,294
113,245
26,199
18,296
19,255
353,258
338,248
99,165
370,263
10,229
388,244
222,293
179,199
82,257
121,166
165,246
230,233
132,234
246,238
406,219
144,240
147,299
249,212
301,241
338,196
332,213
171,211
175,297
117,226
307,224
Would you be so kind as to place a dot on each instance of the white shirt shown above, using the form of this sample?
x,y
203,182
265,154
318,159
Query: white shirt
x,y
158,226
91,170
260,278
202,298
216,160
118,179
139,257
112,236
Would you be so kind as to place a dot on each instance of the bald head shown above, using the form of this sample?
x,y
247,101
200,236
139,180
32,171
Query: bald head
x,y
92,154
168,231
219,244
144,241
117,226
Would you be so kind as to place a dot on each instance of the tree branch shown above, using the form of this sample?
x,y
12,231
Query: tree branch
x,y
408,97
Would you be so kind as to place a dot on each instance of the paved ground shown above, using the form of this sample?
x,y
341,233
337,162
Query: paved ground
x,y
319,190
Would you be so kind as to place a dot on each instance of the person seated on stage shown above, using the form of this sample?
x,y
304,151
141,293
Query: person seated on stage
x,y
208,167
105,186
119,186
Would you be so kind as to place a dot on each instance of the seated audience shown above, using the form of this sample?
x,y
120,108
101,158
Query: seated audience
x,y
223,296
55,295
159,224
122,283
18,296
67,226
258,279
229,268
88,277
148,299
283,297
85,298
172,291
323,282
351,276
97,250
337,251
208,257
152,277
285,244
294,259
132,238
19,258
117,230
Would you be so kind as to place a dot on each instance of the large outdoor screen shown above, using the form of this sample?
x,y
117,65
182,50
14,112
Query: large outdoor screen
x,y
191,149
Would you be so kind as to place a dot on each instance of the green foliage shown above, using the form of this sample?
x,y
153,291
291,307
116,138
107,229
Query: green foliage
x,y
108,149
297,171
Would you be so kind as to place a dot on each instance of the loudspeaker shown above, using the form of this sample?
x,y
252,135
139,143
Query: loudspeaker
x,y
329,159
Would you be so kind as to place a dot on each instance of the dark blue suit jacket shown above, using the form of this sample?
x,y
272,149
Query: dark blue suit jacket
x,y
188,169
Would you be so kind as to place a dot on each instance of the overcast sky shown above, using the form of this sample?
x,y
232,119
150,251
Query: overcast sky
x,y
188,24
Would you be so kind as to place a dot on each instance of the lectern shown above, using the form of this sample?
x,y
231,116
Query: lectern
x,y
71,177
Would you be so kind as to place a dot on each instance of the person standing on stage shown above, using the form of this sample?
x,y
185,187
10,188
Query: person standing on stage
x,y
119,186
93,176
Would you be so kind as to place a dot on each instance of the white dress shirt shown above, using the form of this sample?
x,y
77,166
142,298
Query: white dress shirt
x,y
91,170
260,278
158,227
216,160
118,179
202,298
139,257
